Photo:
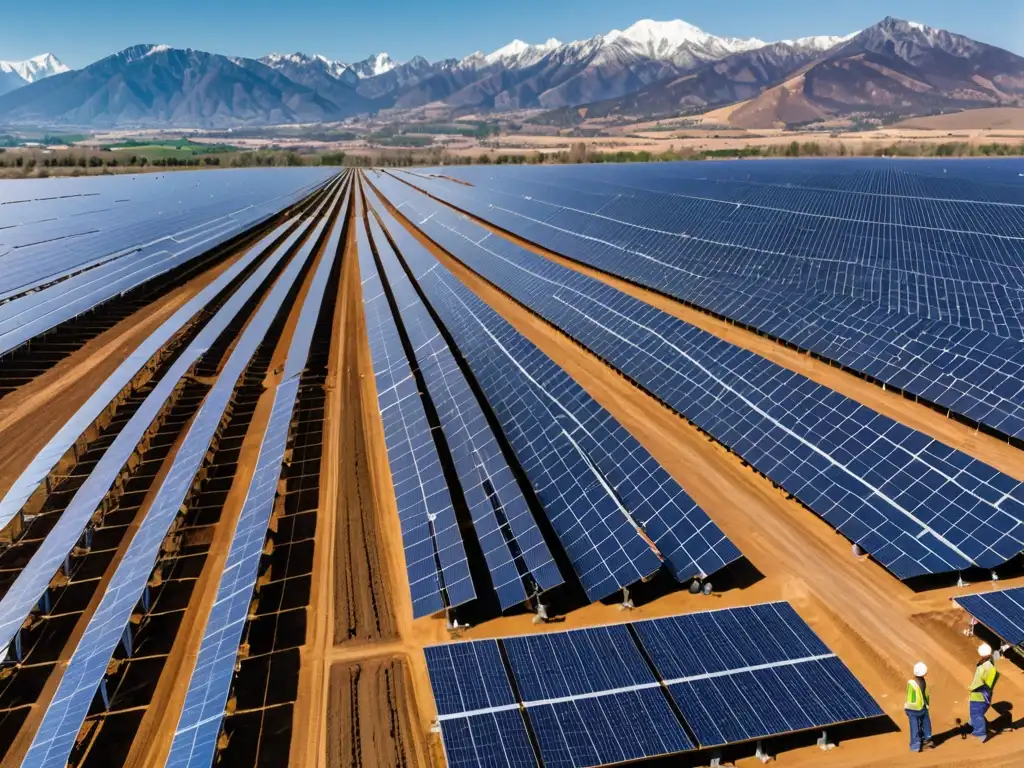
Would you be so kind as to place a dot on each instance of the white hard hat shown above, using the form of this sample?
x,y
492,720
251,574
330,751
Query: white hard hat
x,y
920,669
984,649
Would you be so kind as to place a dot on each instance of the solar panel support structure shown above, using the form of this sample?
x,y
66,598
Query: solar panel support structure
x,y
627,601
760,754
823,742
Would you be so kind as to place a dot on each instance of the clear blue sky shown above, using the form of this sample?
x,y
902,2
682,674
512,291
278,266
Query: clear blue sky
x,y
80,32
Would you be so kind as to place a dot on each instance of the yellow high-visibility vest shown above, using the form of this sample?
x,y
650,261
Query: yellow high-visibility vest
x,y
985,676
916,701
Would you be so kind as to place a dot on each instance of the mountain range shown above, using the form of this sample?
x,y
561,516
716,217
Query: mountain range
x,y
650,69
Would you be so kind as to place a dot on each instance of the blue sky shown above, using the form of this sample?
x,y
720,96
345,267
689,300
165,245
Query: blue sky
x,y
80,33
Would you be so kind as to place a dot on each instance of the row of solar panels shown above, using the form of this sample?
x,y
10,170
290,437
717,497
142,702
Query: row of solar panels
x,y
85,671
916,505
618,516
1002,611
645,689
924,295
59,262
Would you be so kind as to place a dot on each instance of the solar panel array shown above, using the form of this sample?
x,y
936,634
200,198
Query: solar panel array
x,y
57,262
592,699
605,695
55,737
504,525
1002,611
36,575
895,271
746,673
918,506
481,723
606,497
59,444
195,738
435,558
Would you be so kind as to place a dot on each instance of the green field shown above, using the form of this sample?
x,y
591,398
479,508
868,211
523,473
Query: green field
x,y
179,149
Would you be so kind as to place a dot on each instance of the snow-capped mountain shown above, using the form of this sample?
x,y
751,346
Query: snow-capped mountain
x,y
37,68
15,74
515,55
663,40
818,42
335,69
373,66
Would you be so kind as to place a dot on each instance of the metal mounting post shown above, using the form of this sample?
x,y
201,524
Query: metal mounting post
x,y
627,601
126,641
716,760
960,581
541,615
824,743
761,755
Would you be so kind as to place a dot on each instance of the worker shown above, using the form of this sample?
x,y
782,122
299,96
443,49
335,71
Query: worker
x,y
917,709
985,677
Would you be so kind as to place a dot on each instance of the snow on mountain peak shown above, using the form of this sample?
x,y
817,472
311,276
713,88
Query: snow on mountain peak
x,y
381,63
516,54
36,68
819,42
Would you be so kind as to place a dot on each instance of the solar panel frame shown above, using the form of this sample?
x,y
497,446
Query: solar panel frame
x,y
54,738
468,677
483,337
601,695
47,458
34,579
126,215
477,457
421,490
896,335
830,452
500,735
1002,611
198,728
740,674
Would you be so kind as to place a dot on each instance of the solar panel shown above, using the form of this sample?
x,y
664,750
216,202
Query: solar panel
x,y
745,673
52,234
148,247
468,677
591,697
35,577
602,695
435,559
605,495
921,293
59,444
918,506
503,522
495,739
55,737
1001,611
195,738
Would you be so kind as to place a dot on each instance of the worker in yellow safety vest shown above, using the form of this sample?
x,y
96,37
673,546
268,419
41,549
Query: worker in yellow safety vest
x,y
985,677
917,709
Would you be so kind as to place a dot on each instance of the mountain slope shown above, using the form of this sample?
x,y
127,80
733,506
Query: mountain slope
x,y
894,67
737,77
151,85
554,74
